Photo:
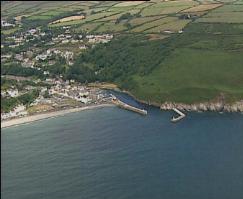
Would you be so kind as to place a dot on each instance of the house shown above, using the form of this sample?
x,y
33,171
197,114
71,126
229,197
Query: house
x,y
61,36
68,55
42,34
46,73
168,31
7,56
6,24
74,41
19,57
48,52
3,93
13,46
68,36
57,52
92,40
18,39
41,57
32,31
13,92
83,47
51,62
28,64
89,36
84,100
65,41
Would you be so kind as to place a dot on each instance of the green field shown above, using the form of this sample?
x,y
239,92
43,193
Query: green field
x,y
167,8
190,75
88,26
141,20
202,66
225,14
203,62
173,26
154,23
111,27
10,31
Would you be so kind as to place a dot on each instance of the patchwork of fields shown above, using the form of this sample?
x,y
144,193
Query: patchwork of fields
x,y
203,65
203,42
152,17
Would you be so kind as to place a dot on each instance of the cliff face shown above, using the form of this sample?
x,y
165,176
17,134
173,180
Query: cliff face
x,y
218,106
208,106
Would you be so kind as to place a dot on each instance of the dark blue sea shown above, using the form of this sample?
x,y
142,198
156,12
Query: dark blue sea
x,y
111,153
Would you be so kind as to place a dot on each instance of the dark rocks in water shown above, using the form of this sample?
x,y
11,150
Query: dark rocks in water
x,y
209,106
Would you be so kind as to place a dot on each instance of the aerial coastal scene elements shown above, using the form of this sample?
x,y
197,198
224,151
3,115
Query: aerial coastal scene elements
x,y
173,54
122,99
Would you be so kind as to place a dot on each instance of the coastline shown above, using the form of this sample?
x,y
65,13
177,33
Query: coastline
x,y
216,106
41,116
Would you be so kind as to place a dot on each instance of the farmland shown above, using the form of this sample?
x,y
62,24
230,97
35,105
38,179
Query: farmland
x,y
182,51
225,14
71,18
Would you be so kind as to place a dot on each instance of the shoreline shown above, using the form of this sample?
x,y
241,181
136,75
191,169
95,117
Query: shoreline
x,y
217,106
45,115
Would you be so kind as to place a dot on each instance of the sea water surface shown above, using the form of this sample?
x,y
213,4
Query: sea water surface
x,y
111,153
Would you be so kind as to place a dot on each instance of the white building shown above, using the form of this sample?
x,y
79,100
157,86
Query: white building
x,y
41,57
13,92
65,41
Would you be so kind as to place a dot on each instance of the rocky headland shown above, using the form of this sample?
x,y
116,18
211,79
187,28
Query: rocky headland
x,y
207,106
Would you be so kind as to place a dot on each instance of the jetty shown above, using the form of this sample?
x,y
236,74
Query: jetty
x,y
128,107
181,115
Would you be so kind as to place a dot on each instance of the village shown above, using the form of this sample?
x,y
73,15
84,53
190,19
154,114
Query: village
x,y
58,96
39,49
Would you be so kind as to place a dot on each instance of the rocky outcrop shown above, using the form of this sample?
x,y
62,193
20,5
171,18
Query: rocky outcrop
x,y
207,106
217,106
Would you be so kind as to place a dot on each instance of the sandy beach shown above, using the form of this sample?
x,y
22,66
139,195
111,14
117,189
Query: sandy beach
x,y
41,116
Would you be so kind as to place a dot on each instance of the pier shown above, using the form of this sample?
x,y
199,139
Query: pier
x,y
128,107
181,115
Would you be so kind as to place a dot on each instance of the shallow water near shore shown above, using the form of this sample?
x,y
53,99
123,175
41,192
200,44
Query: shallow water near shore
x,y
113,153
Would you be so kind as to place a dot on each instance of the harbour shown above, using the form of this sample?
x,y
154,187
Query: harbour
x,y
123,105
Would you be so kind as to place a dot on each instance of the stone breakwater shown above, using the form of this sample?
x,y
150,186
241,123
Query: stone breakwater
x,y
208,106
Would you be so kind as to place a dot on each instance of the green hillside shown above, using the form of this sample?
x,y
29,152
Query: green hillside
x,y
181,51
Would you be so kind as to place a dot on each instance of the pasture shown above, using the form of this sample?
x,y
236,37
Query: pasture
x,y
169,7
201,8
225,14
153,24
200,78
173,26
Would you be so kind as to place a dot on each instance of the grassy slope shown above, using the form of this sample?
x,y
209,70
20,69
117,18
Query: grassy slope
x,y
190,75
204,61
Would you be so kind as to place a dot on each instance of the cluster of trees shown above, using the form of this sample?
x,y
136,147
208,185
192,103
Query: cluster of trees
x,y
29,97
18,70
126,16
118,60
58,68
7,104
